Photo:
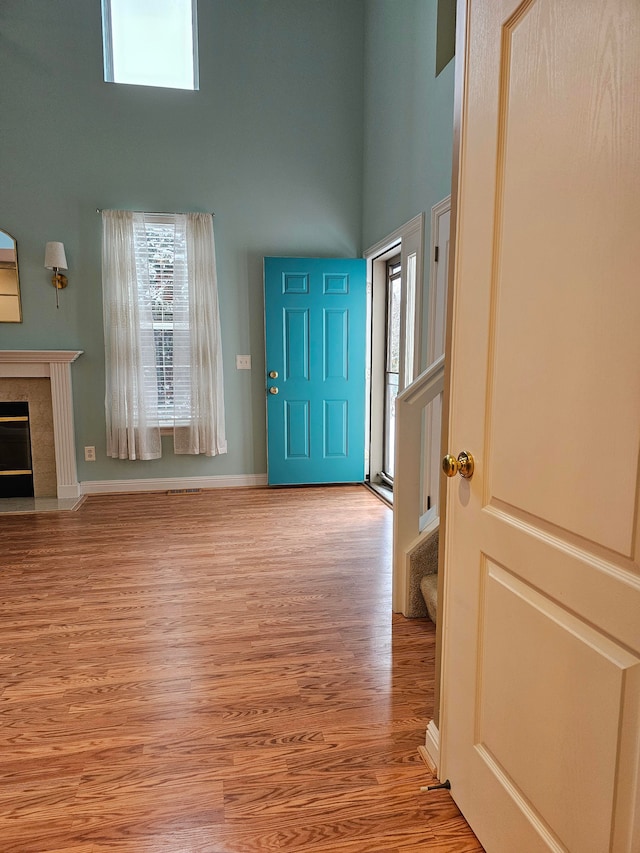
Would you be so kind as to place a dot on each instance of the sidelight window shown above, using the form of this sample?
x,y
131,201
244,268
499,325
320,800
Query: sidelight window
x,y
392,364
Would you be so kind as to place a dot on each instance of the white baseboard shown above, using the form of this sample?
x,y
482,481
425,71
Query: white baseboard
x,y
69,491
165,484
432,747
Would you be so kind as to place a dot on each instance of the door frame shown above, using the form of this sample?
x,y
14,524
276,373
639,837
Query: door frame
x,y
433,728
435,319
408,240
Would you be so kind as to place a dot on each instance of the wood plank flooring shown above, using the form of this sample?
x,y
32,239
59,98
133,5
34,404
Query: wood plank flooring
x,y
214,673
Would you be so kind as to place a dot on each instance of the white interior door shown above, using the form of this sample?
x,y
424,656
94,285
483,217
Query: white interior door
x,y
540,713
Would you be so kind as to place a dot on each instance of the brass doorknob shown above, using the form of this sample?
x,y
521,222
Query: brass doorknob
x,y
463,465
273,374
273,390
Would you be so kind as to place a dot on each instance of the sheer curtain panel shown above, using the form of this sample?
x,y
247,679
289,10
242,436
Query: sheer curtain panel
x,y
133,430
162,334
197,344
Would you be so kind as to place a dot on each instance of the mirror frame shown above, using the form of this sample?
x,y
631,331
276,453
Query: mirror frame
x,y
2,266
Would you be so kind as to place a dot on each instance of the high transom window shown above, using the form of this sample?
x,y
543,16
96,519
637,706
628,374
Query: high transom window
x,y
151,42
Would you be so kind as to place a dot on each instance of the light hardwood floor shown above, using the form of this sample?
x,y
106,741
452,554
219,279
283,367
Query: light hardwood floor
x,y
214,673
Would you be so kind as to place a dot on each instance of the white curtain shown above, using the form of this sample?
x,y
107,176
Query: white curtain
x,y
132,430
194,402
197,344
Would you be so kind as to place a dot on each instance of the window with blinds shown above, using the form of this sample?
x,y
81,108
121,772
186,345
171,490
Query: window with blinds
x,y
160,248
163,348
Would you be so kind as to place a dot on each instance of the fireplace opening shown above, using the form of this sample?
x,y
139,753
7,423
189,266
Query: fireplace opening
x,y
16,472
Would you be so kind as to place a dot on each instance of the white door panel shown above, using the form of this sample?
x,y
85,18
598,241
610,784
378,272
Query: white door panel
x,y
541,623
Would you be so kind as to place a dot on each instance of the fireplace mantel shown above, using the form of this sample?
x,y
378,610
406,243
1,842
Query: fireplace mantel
x,y
38,356
55,364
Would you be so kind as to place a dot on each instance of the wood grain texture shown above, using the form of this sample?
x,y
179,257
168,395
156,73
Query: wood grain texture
x,y
214,673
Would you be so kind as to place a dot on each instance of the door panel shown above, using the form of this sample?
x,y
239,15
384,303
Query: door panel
x,y
336,350
548,231
296,429
315,315
541,648
296,343
531,647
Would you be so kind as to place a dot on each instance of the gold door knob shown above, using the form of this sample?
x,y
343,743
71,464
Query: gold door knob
x,y
463,465
273,374
273,390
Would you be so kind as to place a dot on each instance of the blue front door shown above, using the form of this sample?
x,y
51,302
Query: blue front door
x,y
315,330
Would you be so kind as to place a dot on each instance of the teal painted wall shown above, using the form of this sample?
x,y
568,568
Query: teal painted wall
x,y
272,143
319,128
408,134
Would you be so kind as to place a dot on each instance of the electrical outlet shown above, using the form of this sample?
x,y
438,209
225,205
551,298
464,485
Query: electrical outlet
x,y
243,362
89,454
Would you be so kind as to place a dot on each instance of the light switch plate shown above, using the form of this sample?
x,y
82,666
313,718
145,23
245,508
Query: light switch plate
x,y
243,362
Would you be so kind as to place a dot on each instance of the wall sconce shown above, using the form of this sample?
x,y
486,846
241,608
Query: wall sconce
x,y
56,260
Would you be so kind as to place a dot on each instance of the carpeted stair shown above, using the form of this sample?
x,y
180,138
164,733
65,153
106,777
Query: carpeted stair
x,y
423,578
429,590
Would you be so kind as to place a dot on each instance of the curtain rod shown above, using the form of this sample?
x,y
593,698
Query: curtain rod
x,y
158,212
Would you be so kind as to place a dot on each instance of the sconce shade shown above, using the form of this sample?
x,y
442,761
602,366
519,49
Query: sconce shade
x,y
54,256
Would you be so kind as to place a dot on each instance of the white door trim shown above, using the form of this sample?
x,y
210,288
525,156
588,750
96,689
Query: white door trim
x,y
438,210
436,322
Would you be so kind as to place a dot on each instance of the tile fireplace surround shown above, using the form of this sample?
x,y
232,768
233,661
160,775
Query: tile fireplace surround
x,y
54,365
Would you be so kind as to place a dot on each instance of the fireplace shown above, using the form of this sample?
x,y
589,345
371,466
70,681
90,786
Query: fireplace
x,y
42,378
16,472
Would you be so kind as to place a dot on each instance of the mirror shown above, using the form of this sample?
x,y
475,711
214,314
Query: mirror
x,y
10,310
